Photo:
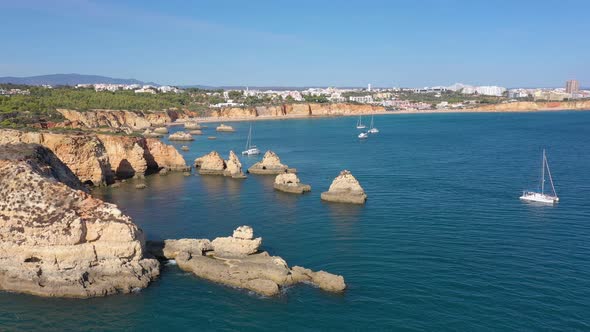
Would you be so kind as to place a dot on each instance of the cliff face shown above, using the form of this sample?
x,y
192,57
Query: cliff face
x,y
117,118
85,155
536,106
99,159
307,109
55,239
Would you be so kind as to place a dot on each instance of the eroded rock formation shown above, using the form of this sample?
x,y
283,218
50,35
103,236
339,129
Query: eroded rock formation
x,y
117,118
270,165
235,261
345,189
99,159
225,128
290,183
55,239
303,109
213,164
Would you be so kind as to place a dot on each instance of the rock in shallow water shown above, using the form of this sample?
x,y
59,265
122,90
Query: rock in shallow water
x,y
345,189
270,165
223,260
290,183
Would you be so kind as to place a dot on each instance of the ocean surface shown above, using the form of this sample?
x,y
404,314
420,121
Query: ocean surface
x,y
442,244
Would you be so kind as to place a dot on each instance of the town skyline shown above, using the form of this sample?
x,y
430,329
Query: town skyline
x,y
302,44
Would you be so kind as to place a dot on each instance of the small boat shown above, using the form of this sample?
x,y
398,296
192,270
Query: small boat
x,y
542,197
359,123
363,135
250,149
373,130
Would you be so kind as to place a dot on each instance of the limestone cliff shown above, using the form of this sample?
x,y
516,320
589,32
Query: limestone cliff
x,y
536,106
304,109
85,155
117,118
55,239
99,159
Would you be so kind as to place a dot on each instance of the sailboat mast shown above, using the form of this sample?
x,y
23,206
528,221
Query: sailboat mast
x,y
249,138
550,177
543,173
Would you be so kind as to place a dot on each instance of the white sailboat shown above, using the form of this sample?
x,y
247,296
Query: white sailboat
x,y
359,123
373,130
250,149
542,197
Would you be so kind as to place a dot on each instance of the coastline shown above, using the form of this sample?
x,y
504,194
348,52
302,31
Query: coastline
x,y
414,111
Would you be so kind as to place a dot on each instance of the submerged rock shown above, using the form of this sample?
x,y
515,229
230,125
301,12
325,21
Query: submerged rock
x,y
181,136
235,261
345,189
225,128
56,240
290,183
270,165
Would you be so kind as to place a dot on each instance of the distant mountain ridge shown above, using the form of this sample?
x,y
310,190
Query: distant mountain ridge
x,y
70,79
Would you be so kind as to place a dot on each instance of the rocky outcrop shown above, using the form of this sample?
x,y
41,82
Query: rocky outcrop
x,y
213,164
99,159
149,132
159,155
303,109
117,118
290,183
345,189
126,155
58,241
181,136
196,132
84,154
225,128
210,164
270,165
192,126
161,130
233,167
241,243
235,261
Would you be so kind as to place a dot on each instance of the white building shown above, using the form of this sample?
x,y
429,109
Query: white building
x,y
361,99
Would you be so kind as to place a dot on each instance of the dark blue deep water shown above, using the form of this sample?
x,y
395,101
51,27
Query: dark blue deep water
x,y
443,242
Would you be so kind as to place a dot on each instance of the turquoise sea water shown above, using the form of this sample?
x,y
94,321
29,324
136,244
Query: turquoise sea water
x,y
443,242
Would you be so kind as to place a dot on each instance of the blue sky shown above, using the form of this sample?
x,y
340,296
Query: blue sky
x,y
301,43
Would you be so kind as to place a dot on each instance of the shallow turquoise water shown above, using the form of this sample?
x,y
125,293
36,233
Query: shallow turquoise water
x,y
443,242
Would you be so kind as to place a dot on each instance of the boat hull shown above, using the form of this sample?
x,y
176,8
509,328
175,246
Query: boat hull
x,y
539,198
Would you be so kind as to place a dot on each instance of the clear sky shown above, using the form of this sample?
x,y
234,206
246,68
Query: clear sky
x,y
301,43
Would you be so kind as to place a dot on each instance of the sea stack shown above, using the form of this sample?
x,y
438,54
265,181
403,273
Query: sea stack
x,y
289,182
192,126
225,128
237,262
56,240
213,164
345,189
181,136
270,165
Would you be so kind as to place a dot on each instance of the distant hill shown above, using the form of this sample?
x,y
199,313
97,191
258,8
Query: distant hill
x,y
69,79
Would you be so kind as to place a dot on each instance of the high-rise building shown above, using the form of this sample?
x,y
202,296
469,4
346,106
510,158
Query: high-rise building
x,y
369,87
572,86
